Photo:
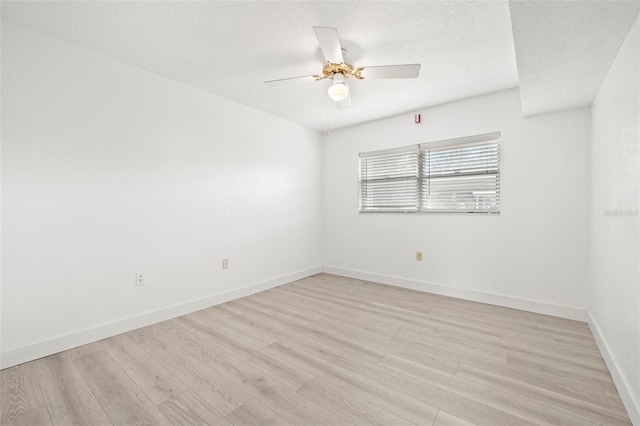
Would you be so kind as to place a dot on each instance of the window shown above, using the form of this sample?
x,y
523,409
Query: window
x,y
453,176
389,180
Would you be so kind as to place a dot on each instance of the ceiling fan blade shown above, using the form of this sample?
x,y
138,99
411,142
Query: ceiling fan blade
x,y
284,81
329,44
392,71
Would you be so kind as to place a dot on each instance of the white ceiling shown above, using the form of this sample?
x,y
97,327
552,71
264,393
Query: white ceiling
x,y
466,48
565,48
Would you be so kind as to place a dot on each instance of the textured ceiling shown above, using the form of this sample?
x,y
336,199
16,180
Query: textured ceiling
x,y
564,49
466,48
231,48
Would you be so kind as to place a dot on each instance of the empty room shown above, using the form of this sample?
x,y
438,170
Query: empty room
x,y
320,213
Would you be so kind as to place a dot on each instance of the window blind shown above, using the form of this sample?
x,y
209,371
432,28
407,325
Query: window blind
x,y
458,175
389,180
461,177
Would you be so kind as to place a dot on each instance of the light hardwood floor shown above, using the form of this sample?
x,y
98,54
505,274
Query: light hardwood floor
x,y
327,350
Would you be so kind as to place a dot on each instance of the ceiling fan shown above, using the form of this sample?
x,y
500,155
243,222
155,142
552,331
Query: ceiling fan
x,y
339,71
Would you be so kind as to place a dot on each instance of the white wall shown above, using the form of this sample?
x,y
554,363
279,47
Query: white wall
x,y
614,273
532,256
108,170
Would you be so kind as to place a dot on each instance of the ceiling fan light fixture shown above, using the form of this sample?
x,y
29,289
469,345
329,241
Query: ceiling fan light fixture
x,y
339,90
338,68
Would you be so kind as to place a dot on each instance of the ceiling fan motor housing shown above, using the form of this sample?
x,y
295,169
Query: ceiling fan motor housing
x,y
346,70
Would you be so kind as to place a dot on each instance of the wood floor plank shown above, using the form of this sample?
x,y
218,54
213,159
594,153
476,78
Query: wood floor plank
x,y
487,309
406,407
320,305
399,317
120,398
287,403
37,416
227,309
451,351
436,395
538,410
333,316
561,331
198,346
590,364
22,400
89,349
438,361
594,375
569,386
287,374
327,350
223,338
149,375
446,419
219,392
350,339
254,413
298,324
230,325
270,324
508,343
564,324
348,405
352,290
526,325
67,395
376,291
259,322
485,318
615,402
550,345
188,408
492,351
576,407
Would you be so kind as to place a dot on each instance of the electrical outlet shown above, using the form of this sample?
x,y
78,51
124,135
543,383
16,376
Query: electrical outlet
x,y
225,263
419,256
140,278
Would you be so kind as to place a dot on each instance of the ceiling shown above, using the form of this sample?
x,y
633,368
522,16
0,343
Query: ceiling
x,y
565,48
466,48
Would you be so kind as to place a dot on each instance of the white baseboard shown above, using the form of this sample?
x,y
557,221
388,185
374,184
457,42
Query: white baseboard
x,y
629,398
562,311
61,343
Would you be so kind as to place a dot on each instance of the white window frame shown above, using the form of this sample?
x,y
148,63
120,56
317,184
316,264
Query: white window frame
x,y
459,175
